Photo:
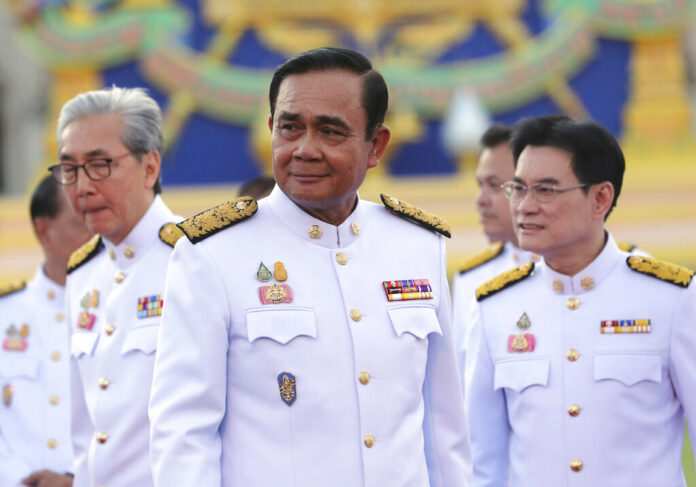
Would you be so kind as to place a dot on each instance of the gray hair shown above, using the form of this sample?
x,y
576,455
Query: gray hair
x,y
141,116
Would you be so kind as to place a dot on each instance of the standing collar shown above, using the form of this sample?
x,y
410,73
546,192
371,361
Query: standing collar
x,y
142,236
519,255
589,277
45,289
314,230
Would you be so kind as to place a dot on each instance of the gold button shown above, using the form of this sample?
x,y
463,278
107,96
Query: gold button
x,y
60,317
356,229
364,378
369,441
102,437
120,276
54,400
55,356
104,382
587,282
355,315
52,443
129,252
341,258
109,329
576,465
572,303
240,205
572,355
557,286
315,231
50,294
112,254
574,410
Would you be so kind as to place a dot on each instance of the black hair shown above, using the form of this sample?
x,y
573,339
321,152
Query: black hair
x,y
45,200
496,135
596,156
375,96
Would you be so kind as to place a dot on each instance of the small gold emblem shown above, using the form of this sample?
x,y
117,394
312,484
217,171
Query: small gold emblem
x,y
315,231
587,282
557,286
7,392
356,229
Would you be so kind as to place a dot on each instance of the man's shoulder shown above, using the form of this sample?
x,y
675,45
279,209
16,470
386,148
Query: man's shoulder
x,y
12,288
213,220
664,271
85,253
504,281
415,215
480,259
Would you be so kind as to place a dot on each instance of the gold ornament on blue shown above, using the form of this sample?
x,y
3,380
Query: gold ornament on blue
x,y
523,323
287,386
263,274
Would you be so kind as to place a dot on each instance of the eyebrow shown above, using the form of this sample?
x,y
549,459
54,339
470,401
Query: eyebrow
x,y
541,181
336,121
91,154
288,117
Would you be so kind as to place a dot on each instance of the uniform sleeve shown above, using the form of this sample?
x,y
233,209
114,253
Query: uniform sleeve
x,y
446,437
187,402
13,468
81,427
486,411
682,357
458,322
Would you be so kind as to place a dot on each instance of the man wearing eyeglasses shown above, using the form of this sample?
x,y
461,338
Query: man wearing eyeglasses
x,y
109,144
580,369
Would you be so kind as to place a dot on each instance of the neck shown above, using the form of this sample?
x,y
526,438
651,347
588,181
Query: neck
x,y
334,215
55,269
138,215
571,261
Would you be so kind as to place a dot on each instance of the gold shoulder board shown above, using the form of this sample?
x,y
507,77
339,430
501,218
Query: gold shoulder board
x,y
626,247
11,287
170,234
676,274
506,279
211,221
85,253
477,260
416,215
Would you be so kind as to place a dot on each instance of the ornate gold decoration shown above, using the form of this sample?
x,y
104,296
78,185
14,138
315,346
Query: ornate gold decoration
x,y
416,215
355,228
170,234
85,253
315,231
666,271
587,282
477,260
504,280
626,247
211,221
573,303
557,285
12,287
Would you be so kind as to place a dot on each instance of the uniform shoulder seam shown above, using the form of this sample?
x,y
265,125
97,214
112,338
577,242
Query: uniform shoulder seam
x,y
416,215
504,280
217,218
477,260
665,271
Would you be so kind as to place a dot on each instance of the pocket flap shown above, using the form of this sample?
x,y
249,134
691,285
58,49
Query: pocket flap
x,y
14,367
628,368
281,325
83,343
419,321
520,374
143,338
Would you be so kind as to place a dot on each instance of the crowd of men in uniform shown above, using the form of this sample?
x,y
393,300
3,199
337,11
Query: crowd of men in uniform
x,y
308,337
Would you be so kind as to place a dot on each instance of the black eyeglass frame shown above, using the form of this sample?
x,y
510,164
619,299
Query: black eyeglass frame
x,y
508,187
58,169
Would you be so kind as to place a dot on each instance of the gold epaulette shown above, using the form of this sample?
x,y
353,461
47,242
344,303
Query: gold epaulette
x,y
506,279
676,274
416,215
85,253
11,287
211,221
626,247
170,234
477,260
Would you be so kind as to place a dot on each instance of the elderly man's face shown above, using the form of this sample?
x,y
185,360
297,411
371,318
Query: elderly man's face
x,y
320,155
113,206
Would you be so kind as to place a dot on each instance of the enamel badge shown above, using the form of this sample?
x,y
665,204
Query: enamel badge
x,y
280,273
523,323
625,326
263,274
85,319
407,289
16,341
275,294
522,342
149,306
287,387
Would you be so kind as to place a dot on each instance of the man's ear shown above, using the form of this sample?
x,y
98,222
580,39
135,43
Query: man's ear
x,y
153,166
380,140
603,196
270,123
41,229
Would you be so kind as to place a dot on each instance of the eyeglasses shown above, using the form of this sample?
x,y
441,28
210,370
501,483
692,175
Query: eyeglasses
x,y
542,192
95,169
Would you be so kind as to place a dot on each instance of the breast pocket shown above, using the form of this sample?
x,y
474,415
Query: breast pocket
x,y
628,368
143,339
280,325
83,344
520,374
418,321
18,368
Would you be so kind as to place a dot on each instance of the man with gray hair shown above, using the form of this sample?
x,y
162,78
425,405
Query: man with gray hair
x,y
116,280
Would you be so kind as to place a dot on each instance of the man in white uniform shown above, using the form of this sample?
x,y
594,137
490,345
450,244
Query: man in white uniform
x,y
109,143
307,340
35,446
580,369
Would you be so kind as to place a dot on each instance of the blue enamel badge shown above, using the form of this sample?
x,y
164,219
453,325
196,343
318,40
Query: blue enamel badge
x,y
286,384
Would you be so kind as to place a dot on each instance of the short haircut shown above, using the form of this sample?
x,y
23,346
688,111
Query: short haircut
x,y
375,96
141,116
596,156
495,135
258,187
45,200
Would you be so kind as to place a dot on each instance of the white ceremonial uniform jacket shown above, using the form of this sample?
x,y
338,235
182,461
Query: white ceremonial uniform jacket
x,y
375,400
34,377
583,408
112,361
